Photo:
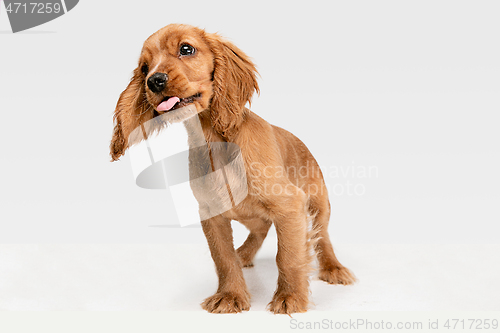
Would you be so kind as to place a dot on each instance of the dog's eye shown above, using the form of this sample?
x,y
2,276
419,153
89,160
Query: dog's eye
x,y
145,69
186,49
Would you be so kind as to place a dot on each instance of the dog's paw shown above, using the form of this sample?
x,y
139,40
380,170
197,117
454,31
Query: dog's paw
x,y
288,303
226,302
245,262
244,258
337,275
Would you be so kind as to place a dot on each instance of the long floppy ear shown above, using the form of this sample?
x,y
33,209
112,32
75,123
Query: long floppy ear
x,y
118,141
234,82
129,113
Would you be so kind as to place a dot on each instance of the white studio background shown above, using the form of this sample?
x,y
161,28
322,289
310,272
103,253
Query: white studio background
x,y
408,89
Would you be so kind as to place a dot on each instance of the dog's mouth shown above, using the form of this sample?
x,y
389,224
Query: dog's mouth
x,y
170,103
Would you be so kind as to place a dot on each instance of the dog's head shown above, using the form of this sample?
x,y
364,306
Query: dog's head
x,y
181,65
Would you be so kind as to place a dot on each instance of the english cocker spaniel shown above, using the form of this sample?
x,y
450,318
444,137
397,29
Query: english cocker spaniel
x,y
183,65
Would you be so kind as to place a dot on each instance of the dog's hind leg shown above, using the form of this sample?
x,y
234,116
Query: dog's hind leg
x,y
258,232
330,269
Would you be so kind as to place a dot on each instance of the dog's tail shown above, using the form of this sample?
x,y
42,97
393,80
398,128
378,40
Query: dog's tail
x,y
313,231
313,237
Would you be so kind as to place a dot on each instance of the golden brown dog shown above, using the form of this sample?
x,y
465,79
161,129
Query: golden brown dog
x,y
182,65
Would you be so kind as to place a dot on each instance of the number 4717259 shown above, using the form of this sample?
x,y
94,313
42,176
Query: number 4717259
x,y
34,8
471,324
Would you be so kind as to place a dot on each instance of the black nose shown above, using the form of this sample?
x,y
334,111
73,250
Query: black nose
x,y
157,82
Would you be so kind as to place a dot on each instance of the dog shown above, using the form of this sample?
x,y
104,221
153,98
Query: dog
x,y
183,65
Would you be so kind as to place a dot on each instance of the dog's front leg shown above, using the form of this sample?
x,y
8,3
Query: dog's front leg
x,y
232,295
289,217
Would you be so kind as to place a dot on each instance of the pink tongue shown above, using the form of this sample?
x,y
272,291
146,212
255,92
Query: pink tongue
x,y
168,104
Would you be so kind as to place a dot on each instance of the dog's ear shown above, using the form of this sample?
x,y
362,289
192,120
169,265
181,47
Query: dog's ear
x,y
128,114
234,82
118,142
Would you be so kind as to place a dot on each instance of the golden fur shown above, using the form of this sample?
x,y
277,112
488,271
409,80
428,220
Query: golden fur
x,y
285,183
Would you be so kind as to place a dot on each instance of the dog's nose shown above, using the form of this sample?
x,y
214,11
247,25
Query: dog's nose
x,y
157,82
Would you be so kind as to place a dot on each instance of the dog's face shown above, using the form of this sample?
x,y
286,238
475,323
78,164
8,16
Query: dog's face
x,y
177,65
181,65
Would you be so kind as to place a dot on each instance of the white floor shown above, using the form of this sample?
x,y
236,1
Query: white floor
x,y
179,277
